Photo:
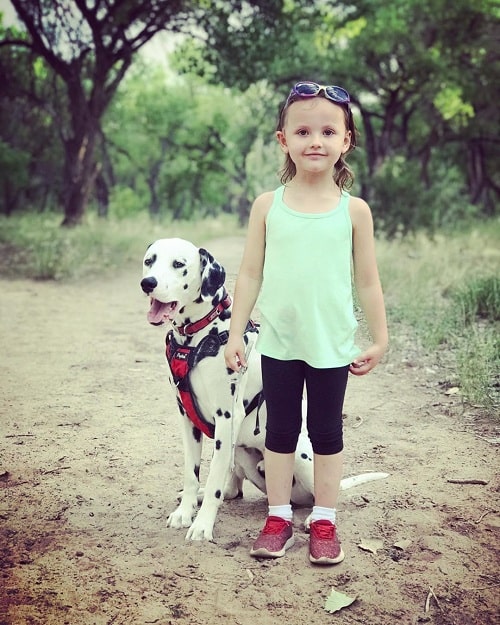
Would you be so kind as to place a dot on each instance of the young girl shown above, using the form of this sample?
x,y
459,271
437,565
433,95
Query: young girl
x,y
300,243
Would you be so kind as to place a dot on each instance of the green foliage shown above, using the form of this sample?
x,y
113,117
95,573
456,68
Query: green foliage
x,y
403,203
478,299
34,246
446,288
179,146
185,149
478,366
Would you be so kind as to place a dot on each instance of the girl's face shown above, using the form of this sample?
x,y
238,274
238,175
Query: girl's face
x,y
314,135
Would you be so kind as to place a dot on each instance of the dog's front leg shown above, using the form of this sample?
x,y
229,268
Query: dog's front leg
x,y
192,438
202,527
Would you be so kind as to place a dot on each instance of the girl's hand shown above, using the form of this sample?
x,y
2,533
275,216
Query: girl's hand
x,y
368,360
234,354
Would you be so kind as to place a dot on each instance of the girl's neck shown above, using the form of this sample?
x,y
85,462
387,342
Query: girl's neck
x,y
317,185
307,196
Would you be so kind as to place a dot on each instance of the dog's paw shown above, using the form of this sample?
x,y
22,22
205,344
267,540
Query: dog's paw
x,y
200,531
181,517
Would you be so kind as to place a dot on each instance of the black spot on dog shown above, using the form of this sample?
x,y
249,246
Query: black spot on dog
x,y
197,471
218,494
181,310
212,274
233,388
218,412
218,444
185,272
197,435
304,456
227,414
151,260
185,287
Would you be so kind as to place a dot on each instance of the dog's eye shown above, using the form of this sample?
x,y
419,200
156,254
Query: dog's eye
x,y
177,264
149,261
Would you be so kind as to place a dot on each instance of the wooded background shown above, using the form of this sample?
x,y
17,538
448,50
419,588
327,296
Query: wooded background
x,y
169,106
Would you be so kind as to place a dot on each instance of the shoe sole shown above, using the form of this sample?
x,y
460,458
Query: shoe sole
x,y
262,552
326,560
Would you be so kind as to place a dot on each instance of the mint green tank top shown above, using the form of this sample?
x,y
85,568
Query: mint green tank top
x,y
306,304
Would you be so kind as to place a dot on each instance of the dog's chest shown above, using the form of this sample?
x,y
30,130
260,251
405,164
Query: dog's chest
x,y
195,367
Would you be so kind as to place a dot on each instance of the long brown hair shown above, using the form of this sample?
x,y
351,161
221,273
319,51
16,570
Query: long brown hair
x,y
342,173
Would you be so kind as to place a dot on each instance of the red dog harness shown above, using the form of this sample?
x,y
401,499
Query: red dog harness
x,y
183,358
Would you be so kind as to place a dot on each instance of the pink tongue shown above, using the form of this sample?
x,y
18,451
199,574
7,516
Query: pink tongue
x,y
159,311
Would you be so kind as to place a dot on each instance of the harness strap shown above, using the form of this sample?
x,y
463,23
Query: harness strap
x,y
182,359
196,326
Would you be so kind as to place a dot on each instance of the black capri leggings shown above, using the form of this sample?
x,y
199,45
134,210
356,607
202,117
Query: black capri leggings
x,y
283,382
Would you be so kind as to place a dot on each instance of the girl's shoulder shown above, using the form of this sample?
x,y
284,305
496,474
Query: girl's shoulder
x,y
263,203
359,211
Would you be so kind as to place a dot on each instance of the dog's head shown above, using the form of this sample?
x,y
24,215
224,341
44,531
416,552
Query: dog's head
x,y
176,274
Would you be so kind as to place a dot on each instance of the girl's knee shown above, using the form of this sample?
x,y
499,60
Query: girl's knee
x,y
283,442
326,445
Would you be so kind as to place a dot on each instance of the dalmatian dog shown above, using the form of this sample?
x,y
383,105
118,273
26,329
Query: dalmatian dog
x,y
186,288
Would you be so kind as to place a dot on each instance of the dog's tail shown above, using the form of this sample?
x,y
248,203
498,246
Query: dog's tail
x,y
356,480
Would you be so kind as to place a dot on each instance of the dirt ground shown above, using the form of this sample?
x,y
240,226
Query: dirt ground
x,y
91,464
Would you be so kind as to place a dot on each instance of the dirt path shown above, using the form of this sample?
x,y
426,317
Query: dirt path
x,y
91,462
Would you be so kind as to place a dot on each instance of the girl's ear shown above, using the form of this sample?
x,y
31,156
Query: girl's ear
x,y
347,142
280,136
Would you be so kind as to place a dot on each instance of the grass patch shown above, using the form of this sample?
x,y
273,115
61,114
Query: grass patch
x,y
446,289
35,246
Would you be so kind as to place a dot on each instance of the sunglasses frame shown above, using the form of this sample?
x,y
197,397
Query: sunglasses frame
x,y
331,92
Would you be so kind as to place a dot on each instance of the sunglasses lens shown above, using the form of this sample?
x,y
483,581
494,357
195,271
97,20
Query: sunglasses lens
x,y
337,94
306,88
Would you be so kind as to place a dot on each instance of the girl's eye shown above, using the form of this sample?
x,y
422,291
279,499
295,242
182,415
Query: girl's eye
x,y
302,133
329,132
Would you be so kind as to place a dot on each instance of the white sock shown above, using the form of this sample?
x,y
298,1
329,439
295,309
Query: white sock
x,y
328,514
284,512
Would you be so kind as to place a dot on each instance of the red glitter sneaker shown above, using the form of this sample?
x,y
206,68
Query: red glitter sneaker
x,y
324,545
274,540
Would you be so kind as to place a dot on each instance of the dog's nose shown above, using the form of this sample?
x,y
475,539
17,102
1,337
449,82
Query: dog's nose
x,y
148,285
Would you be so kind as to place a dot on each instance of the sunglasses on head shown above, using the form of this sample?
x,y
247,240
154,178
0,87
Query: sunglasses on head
x,y
308,89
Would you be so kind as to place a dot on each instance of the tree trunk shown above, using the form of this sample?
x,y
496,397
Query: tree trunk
x,y
79,174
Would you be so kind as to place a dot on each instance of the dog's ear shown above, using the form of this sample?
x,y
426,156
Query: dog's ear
x,y
212,274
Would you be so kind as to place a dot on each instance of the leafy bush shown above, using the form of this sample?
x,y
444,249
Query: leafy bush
x,y
402,204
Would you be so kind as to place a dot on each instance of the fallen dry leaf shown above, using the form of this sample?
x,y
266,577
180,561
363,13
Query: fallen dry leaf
x,y
337,600
371,544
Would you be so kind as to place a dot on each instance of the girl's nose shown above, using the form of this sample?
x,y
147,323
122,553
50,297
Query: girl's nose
x,y
316,139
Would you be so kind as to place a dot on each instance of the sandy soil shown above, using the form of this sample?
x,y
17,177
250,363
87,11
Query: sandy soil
x,y
91,463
